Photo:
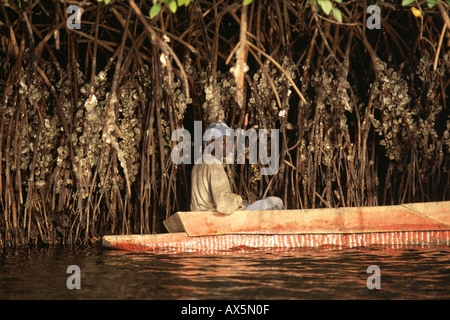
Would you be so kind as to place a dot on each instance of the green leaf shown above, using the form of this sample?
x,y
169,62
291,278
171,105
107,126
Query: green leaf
x,y
326,6
407,2
154,10
181,2
247,2
337,14
107,1
432,3
173,6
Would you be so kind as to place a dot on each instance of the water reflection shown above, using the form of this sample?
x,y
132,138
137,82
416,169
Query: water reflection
x,y
308,273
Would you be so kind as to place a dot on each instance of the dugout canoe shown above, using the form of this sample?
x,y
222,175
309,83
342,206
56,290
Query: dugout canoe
x,y
415,224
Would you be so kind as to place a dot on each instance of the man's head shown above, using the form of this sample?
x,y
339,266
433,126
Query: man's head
x,y
220,135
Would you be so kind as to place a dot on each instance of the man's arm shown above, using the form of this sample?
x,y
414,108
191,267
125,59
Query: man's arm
x,y
226,201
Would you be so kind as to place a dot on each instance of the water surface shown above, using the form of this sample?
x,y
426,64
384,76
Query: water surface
x,y
305,273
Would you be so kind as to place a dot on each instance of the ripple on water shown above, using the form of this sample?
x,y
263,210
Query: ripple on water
x,y
304,273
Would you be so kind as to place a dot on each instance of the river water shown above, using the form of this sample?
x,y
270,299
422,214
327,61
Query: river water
x,y
305,273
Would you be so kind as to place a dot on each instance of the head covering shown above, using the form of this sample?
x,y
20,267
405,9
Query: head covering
x,y
217,129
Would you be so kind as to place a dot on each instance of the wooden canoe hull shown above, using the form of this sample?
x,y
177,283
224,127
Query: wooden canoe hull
x,y
181,242
408,217
410,224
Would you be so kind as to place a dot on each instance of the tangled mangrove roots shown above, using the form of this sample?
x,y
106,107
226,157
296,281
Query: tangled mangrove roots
x,y
87,114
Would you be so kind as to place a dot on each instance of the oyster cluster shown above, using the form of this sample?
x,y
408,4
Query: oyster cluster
x,y
218,88
87,136
131,127
332,101
263,100
173,106
409,109
219,95
392,98
36,126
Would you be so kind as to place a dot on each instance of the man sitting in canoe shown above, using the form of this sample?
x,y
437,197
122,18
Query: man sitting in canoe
x,y
211,189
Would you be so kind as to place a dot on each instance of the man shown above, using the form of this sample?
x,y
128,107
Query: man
x,y
211,189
